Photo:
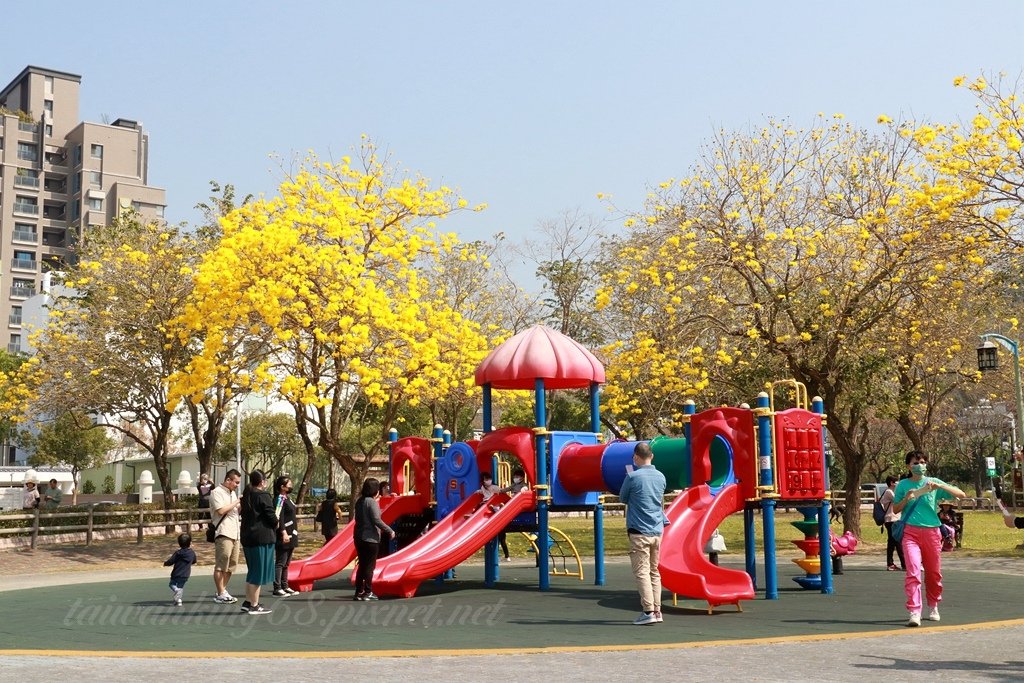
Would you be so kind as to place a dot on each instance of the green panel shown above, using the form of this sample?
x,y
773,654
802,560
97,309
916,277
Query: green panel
x,y
721,462
672,458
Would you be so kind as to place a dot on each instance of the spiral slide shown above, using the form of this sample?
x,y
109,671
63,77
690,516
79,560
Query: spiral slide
x,y
452,540
693,518
341,550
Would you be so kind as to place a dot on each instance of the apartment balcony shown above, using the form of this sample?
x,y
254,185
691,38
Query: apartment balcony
x,y
25,264
55,238
54,212
14,319
57,159
28,155
23,207
26,127
26,181
55,185
30,236
22,292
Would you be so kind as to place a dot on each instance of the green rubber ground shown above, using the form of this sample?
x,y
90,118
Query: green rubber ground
x,y
464,616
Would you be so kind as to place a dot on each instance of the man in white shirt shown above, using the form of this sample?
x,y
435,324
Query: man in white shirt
x,y
224,512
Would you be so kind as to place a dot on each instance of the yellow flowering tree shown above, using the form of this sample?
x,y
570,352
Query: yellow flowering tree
x,y
327,288
803,251
108,348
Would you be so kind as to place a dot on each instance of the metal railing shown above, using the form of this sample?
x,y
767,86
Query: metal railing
x,y
24,207
25,235
26,181
24,264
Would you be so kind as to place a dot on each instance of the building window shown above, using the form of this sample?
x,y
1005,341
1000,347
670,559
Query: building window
x,y
26,232
160,210
48,106
49,131
95,179
96,151
48,85
15,344
28,151
15,317
76,183
78,155
26,204
76,211
95,204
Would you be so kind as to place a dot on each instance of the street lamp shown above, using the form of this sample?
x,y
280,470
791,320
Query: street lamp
x,y
988,360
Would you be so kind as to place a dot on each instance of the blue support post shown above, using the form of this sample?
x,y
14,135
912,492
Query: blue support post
x,y
599,542
749,546
595,407
824,530
488,427
392,438
768,503
543,485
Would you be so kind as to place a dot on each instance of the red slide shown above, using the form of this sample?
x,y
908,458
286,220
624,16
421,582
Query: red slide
x,y
341,550
453,540
685,570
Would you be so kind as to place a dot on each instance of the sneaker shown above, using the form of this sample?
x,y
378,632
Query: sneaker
x,y
658,617
370,596
494,508
933,614
246,606
290,591
226,599
915,619
259,609
281,593
176,603
220,599
359,597
646,618
892,568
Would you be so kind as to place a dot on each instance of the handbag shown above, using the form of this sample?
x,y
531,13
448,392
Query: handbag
x,y
898,526
211,531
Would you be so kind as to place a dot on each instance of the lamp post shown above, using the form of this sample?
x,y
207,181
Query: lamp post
x,y
988,359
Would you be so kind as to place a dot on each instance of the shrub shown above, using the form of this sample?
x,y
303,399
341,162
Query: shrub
x,y
108,484
90,487
129,487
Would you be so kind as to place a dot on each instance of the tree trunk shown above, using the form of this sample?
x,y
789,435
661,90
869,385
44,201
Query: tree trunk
x,y
307,443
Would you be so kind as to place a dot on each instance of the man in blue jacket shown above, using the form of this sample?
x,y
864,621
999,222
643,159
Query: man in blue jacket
x,y
643,493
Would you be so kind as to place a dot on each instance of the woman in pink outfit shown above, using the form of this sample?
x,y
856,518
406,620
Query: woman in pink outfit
x,y
915,500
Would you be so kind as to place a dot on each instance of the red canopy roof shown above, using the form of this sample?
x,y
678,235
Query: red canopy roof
x,y
542,352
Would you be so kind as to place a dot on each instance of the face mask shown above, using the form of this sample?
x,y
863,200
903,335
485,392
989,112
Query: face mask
x,y
487,482
517,480
919,468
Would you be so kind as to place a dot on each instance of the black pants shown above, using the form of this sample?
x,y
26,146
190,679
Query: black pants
x,y
503,543
891,545
283,559
366,551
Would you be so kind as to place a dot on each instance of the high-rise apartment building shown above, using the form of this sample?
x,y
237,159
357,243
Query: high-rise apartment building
x,y
59,176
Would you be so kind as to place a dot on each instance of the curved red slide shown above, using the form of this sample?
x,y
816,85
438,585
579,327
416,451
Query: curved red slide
x,y
453,540
685,570
341,550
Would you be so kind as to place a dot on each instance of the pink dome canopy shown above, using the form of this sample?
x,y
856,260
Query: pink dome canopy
x,y
540,352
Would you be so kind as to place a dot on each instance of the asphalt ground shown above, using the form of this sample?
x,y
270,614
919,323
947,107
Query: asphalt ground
x,y
120,623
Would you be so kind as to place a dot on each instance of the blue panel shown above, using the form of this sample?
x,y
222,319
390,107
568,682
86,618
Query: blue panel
x,y
457,475
559,440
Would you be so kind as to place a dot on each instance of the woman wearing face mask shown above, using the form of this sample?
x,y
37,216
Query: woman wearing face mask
x,y
915,499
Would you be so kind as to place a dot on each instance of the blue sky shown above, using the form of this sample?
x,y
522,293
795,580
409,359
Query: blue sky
x,y
531,107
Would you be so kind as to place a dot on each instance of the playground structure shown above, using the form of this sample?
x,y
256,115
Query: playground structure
x,y
729,460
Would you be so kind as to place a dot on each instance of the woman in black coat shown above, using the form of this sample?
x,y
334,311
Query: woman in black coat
x,y
259,531
287,535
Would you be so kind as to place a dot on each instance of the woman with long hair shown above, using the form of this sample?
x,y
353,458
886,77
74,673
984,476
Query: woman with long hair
x,y
287,535
328,515
368,528
259,531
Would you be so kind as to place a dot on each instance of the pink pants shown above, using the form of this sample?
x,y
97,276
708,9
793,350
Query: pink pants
x,y
922,546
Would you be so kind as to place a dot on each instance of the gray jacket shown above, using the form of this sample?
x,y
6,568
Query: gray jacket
x,y
368,521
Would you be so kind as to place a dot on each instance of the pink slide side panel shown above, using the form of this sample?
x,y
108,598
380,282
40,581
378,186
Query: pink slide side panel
x,y
453,540
339,552
685,570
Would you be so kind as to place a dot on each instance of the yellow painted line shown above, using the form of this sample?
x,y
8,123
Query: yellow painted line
x,y
480,652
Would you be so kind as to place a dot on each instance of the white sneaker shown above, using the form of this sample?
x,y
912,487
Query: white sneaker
x,y
177,603
645,618
658,617
915,619
933,614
